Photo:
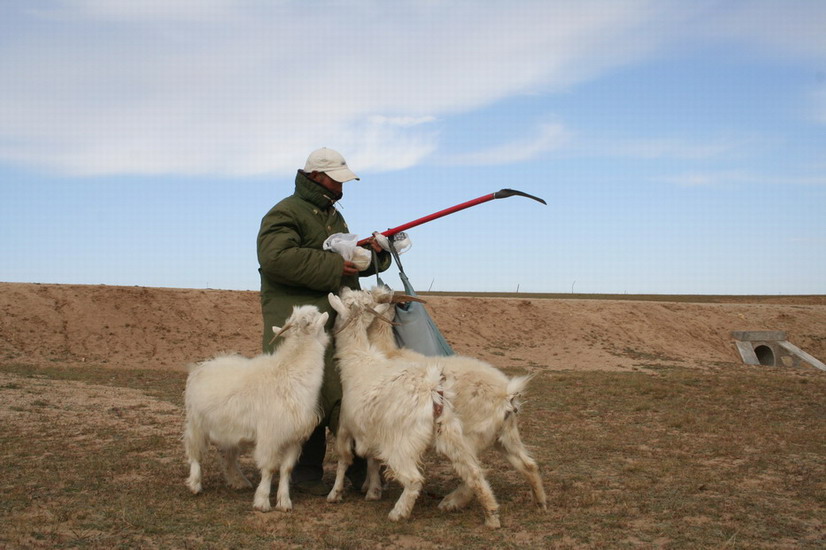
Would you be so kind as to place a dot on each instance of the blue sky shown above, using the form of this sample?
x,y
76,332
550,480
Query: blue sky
x,y
681,146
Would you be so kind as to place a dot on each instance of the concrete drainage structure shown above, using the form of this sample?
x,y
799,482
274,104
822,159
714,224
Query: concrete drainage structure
x,y
770,348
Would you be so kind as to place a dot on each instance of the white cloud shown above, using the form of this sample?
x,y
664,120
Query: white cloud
x,y
249,86
177,86
548,137
390,143
705,179
735,177
143,10
778,29
401,120
676,148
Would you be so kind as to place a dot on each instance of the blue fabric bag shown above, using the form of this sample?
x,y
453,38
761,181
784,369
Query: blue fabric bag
x,y
414,327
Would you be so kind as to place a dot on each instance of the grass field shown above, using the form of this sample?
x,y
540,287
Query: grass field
x,y
726,457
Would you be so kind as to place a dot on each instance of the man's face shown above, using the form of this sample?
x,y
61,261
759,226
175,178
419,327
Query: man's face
x,y
329,183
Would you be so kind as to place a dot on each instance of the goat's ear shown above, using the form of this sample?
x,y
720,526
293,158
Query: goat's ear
x,y
335,301
322,320
380,295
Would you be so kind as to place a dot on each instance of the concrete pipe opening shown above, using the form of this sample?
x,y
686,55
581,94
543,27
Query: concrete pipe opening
x,y
765,355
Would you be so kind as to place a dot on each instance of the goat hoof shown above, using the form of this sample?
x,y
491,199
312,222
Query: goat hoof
x,y
284,507
395,516
195,488
238,485
492,522
261,507
334,496
373,495
448,506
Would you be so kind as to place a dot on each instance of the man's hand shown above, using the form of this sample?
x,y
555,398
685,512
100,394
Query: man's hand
x,y
374,244
350,269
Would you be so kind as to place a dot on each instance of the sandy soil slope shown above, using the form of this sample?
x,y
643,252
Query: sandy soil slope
x,y
138,327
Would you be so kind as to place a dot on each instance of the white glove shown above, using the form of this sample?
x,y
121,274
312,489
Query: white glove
x,y
401,241
345,245
342,243
383,241
362,258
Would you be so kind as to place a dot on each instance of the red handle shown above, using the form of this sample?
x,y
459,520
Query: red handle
x,y
504,193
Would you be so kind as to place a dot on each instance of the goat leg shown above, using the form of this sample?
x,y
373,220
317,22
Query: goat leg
x,y
344,448
232,472
373,482
283,503
194,481
261,502
451,443
412,487
510,444
457,499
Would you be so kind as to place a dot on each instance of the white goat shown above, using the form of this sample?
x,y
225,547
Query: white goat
x,y
269,402
394,411
487,402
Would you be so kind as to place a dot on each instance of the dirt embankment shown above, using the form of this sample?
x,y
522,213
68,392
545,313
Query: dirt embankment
x,y
138,327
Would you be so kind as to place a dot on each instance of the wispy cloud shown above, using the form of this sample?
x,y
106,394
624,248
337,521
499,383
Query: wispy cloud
x,y
145,10
178,86
547,137
391,143
705,179
736,177
676,148
777,29
249,86
404,121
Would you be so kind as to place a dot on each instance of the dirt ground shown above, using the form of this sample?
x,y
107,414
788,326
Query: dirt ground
x,y
161,328
135,435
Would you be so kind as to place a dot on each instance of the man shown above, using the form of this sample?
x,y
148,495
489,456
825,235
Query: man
x,y
296,271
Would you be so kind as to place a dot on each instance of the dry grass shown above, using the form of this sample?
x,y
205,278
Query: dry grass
x,y
674,298
726,457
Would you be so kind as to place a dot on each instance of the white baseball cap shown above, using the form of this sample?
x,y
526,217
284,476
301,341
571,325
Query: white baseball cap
x,y
331,163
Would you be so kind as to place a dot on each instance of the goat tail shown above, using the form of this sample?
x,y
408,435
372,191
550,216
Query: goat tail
x,y
442,391
517,388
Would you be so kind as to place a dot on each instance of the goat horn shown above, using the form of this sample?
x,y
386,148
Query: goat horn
x,y
344,326
401,298
382,317
284,329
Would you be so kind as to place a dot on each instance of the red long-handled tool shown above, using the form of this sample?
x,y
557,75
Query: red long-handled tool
x,y
501,194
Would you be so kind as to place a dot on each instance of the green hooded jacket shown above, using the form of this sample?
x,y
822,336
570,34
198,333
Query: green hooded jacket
x,y
296,271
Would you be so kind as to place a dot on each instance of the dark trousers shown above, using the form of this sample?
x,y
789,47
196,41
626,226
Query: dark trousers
x,y
310,465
